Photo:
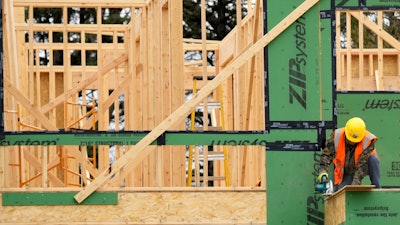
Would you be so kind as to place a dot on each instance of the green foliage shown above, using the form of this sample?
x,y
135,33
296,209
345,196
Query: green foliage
x,y
220,16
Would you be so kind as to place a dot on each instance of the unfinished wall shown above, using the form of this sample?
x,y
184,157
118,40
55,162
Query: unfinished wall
x,y
374,62
152,206
137,65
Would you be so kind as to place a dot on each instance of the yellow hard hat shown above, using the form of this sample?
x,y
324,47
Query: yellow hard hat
x,y
355,129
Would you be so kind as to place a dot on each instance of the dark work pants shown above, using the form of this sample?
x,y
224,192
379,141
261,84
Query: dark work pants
x,y
373,173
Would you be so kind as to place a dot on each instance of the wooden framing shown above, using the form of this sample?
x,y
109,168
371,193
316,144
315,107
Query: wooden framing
x,y
144,63
136,154
370,68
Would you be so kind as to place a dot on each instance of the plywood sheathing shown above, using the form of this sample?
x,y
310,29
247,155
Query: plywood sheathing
x,y
152,206
335,209
335,204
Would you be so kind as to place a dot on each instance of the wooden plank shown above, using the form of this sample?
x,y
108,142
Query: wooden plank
x,y
122,86
11,38
33,161
44,166
164,3
204,56
380,54
357,188
352,188
28,105
158,95
361,50
372,51
136,153
74,151
177,156
398,64
166,164
377,81
3,165
83,4
349,74
83,84
250,90
339,58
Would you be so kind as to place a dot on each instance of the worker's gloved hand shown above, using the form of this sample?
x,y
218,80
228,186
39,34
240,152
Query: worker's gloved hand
x,y
321,176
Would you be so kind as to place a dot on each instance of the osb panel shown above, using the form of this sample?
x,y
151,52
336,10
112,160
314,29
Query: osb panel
x,y
368,83
390,80
389,61
335,209
180,207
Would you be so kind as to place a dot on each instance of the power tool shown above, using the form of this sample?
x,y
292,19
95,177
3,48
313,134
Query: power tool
x,y
325,186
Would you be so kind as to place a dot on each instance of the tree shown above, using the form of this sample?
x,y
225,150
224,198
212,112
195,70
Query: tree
x,y
220,16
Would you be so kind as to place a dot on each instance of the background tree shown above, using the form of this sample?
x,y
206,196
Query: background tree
x,y
221,19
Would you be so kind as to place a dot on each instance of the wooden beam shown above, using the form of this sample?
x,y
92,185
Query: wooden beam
x,y
348,55
176,81
34,162
44,166
10,37
26,103
164,3
85,4
380,54
83,84
4,164
339,59
377,30
250,89
186,108
74,151
116,93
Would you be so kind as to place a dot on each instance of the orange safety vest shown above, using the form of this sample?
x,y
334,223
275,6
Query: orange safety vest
x,y
339,141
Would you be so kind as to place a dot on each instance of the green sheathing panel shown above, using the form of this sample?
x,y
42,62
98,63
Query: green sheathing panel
x,y
128,138
383,3
372,208
57,198
283,135
300,89
346,3
381,112
326,66
217,139
79,138
294,65
290,189
367,3
132,138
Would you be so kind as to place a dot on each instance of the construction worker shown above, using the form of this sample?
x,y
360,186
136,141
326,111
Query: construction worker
x,y
352,151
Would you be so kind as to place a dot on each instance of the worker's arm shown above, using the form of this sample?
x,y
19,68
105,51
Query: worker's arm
x,y
327,155
362,165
